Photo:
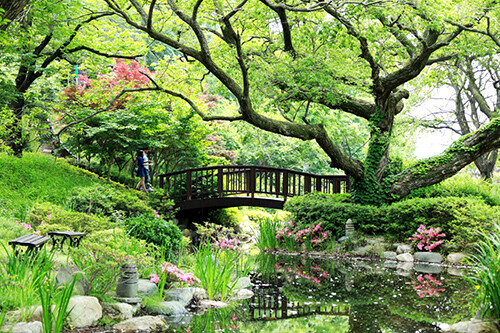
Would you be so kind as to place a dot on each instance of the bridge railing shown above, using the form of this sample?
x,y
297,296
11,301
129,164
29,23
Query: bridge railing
x,y
236,180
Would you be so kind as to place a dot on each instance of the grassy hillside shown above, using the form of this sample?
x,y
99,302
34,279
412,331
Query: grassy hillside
x,y
38,178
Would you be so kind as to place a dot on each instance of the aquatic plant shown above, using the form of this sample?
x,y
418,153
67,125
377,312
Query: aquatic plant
x,y
219,269
427,238
486,276
267,234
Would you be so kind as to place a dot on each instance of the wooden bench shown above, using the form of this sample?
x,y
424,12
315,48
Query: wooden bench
x,y
32,242
59,237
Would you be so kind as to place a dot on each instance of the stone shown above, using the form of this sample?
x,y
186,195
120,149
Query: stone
x,y
243,282
428,256
146,288
181,295
429,269
66,274
349,227
199,293
145,323
404,268
129,300
118,311
389,254
472,326
170,308
406,257
243,294
22,327
180,320
86,311
455,271
390,264
456,258
403,248
211,304
364,250
343,239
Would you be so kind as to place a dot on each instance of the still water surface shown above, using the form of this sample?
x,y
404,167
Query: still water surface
x,y
297,294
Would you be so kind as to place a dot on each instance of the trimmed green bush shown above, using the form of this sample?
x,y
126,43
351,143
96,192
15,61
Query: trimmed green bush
x,y
155,230
458,218
106,200
54,217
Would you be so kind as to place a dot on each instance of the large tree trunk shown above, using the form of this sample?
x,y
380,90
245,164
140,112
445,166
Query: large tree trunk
x,y
486,164
13,9
16,141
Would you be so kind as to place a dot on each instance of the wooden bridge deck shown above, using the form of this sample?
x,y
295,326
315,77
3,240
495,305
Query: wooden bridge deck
x,y
231,186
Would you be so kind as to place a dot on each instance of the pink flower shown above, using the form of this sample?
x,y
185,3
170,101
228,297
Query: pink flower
x,y
49,216
154,278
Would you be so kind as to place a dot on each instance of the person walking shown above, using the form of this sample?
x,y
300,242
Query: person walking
x,y
147,163
141,172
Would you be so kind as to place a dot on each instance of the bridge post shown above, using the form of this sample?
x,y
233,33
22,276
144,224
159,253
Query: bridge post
x,y
318,184
220,181
252,179
189,185
285,185
307,184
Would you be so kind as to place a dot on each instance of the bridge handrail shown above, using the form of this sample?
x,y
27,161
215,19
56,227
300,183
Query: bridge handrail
x,y
302,173
235,180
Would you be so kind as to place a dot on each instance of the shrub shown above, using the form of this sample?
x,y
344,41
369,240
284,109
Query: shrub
x,y
457,217
11,229
156,230
160,202
101,254
54,217
227,217
460,186
106,200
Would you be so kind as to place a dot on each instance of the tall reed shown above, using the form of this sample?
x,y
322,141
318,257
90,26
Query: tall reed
x,y
219,270
20,278
267,234
486,276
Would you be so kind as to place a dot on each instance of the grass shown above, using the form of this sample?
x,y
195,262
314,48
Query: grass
x,y
37,178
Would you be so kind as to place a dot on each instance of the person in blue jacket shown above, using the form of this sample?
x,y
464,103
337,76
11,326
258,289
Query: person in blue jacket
x,y
141,172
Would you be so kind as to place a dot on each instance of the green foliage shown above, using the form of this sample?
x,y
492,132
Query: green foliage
x,y
55,301
332,210
37,178
458,218
54,217
109,201
461,186
486,275
20,278
101,254
266,238
155,230
227,217
219,270
159,201
10,229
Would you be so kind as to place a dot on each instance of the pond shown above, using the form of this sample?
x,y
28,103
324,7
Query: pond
x,y
298,294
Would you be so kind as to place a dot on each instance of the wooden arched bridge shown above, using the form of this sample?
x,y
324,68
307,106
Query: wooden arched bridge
x,y
242,185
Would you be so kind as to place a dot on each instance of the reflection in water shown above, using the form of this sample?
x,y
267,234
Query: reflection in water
x,y
294,294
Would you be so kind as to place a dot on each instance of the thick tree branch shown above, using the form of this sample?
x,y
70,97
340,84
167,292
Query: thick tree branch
x,y
461,153
285,25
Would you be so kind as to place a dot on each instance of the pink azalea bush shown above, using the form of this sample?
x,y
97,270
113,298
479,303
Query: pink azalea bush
x,y
313,234
228,244
171,273
427,238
